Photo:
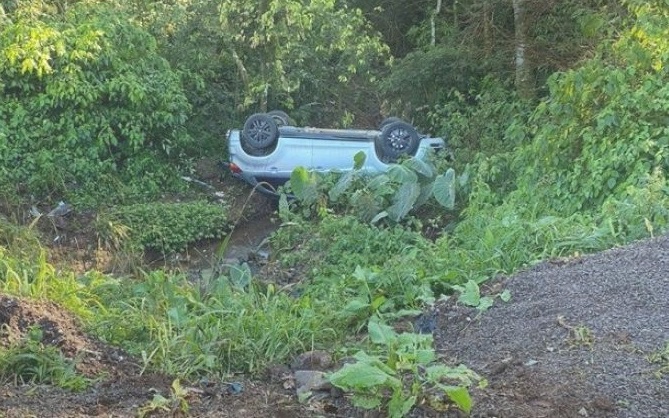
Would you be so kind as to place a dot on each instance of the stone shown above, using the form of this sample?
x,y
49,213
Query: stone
x,y
310,381
312,360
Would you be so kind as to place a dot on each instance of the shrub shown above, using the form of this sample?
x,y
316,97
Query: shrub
x,y
88,105
164,227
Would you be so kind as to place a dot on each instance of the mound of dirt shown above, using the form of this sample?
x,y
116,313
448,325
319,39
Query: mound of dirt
x,y
121,389
574,340
59,328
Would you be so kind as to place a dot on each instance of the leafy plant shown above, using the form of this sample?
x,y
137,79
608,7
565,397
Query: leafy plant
x,y
336,245
277,49
33,277
470,295
382,293
175,405
164,227
90,111
660,358
393,195
209,325
579,335
401,372
29,361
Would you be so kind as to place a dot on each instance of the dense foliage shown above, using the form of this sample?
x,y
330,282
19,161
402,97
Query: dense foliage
x,y
88,105
163,227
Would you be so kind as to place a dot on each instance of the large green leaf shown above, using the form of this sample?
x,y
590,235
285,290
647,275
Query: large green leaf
x,y
380,333
362,376
359,160
403,201
425,194
304,185
444,189
342,185
460,396
378,181
399,405
419,166
401,174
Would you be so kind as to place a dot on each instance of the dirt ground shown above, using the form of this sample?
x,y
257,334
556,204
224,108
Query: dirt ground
x,y
575,340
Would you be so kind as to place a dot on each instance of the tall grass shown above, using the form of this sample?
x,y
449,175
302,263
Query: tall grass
x,y
213,327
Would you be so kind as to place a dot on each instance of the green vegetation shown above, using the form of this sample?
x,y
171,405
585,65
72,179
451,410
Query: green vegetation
x,y
176,403
107,104
163,227
31,276
29,361
403,371
404,188
660,359
89,106
210,326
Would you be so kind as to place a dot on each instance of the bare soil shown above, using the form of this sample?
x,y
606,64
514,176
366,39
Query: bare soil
x,y
575,340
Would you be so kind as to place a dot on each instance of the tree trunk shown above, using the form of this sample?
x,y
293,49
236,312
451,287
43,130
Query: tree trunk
x,y
487,29
433,24
524,80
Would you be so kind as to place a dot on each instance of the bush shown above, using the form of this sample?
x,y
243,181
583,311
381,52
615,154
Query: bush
x,y
164,227
88,106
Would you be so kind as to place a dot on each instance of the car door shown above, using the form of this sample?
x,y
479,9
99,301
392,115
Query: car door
x,y
291,152
336,151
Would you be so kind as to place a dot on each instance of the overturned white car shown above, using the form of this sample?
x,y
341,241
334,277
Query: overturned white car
x,y
269,147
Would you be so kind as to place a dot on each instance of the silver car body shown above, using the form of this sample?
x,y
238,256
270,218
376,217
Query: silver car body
x,y
315,149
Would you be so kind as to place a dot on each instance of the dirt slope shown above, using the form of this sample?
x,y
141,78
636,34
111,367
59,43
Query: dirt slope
x,y
574,340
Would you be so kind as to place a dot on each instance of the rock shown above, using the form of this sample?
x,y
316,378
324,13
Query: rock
x,y
312,360
310,381
278,373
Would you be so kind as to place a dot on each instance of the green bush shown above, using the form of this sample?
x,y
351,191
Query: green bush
x,y
336,245
604,127
164,227
588,170
390,196
89,107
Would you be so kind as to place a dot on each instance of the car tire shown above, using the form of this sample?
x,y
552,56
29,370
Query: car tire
x,y
398,138
388,121
260,131
281,117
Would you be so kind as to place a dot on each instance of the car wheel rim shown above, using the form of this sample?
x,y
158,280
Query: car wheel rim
x,y
259,131
399,139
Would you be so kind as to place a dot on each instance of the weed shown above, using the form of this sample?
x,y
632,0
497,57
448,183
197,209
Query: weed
x,y
579,336
35,278
213,327
368,293
30,361
470,295
401,372
406,186
337,244
661,359
175,405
